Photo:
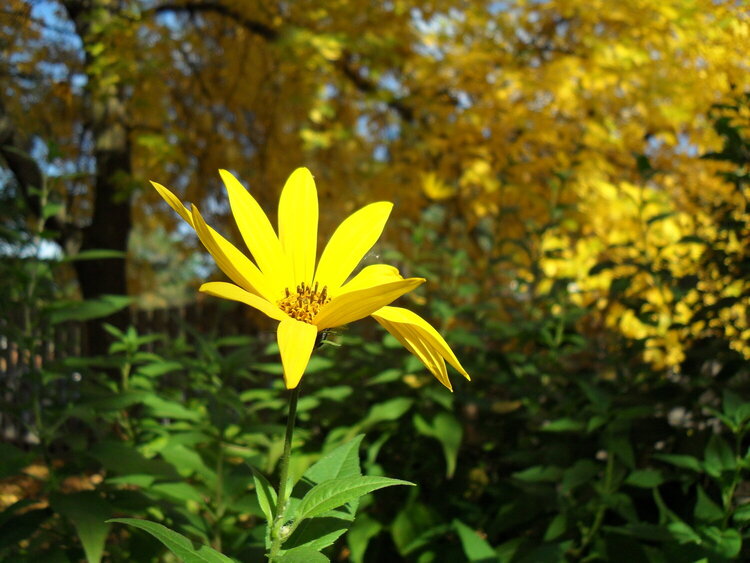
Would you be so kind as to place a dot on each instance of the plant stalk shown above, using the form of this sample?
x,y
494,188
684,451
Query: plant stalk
x,y
284,492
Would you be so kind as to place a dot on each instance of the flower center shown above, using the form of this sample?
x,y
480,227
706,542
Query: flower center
x,y
304,303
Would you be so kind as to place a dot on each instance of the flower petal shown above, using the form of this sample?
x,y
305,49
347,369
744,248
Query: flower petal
x,y
359,303
409,338
298,224
173,202
414,328
376,274
257,232
296,342
232,262
235,293
350,242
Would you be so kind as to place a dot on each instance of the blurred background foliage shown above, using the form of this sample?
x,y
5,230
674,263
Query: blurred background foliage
x,y
571,177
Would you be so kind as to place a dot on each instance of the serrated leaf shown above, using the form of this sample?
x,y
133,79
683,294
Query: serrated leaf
x,y
331,494
176,543
317,533
88,513
266,495
475,548
343,461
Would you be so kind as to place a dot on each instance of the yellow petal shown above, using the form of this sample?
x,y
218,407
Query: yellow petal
x,y
350,242
257,232
296,342
409,338
298,224
399,319
232,262
235,293
357,304
174,202
376,274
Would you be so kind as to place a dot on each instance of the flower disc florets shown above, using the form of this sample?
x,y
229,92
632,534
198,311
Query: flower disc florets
x,y
304,303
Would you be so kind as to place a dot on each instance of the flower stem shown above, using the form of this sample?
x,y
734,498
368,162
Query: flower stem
x,y
283,497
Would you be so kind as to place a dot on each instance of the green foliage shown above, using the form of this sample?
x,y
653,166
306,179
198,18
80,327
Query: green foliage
x,y
566,446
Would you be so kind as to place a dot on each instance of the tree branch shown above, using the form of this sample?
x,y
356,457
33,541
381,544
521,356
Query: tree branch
x,y
344,64
256,27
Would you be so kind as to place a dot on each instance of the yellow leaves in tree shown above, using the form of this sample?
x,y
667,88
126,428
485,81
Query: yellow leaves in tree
x,y
284,281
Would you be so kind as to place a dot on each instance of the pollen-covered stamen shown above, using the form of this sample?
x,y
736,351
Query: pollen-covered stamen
x,y
304,302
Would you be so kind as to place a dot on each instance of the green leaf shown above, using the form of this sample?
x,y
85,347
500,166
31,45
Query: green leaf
x,y
159,368
303,555
331,494
645,478
17,527
718,456
317,533
475,547
539,473
682,461
389,410
51,208
180,491
619,444
683,533
176,543
88,512
583,471
447,430
266,495
123,459
187,461
103,306
360,534
95,254
556,528
726,543
706,509
564,425
162,408
742,514
340,462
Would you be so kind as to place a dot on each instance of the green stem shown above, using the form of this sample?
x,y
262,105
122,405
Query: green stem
x,y
220,508
602,509
283,498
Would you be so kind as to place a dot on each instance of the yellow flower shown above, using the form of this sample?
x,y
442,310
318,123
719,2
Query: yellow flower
x,y
284,283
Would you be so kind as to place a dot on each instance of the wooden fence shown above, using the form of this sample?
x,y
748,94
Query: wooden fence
x,y
24,351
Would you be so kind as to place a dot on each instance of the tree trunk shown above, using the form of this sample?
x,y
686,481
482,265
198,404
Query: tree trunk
x,y
111,218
